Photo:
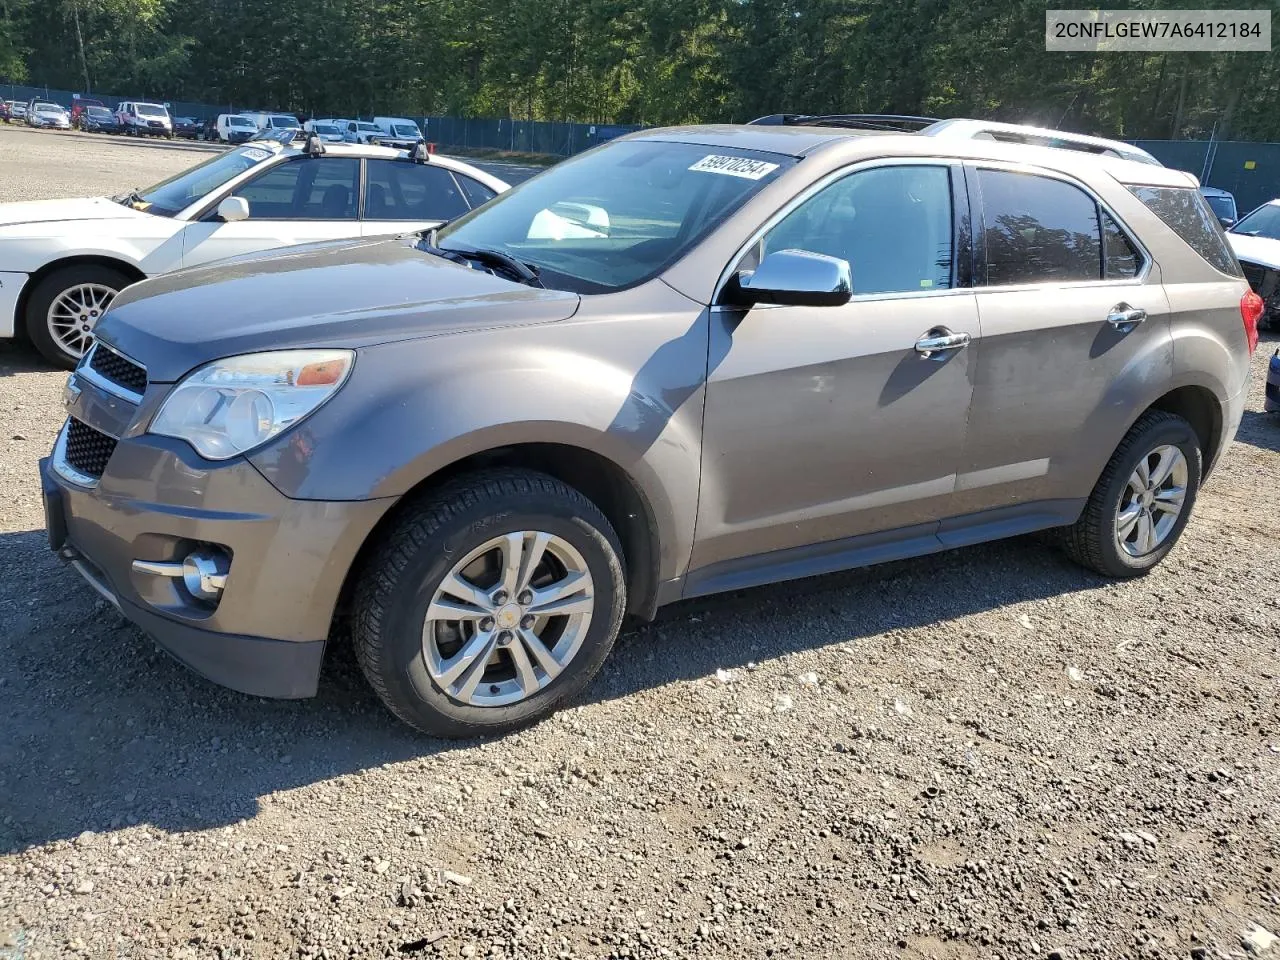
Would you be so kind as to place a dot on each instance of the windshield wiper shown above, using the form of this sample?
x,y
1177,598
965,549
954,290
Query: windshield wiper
x,y
129,199
518,270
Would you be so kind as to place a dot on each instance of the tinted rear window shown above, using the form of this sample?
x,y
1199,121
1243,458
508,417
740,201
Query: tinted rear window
x,y
1185,212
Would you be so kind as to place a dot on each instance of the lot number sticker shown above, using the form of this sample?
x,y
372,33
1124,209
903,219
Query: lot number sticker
x,y
256,153
734,167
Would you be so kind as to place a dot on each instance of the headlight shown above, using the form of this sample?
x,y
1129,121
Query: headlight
x,y
230,406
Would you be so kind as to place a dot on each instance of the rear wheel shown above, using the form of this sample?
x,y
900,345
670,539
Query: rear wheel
x,y
65,306
489,603
1142,502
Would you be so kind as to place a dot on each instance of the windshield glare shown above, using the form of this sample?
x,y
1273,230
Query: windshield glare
x,y
617,215
177,193
147,110
1263,222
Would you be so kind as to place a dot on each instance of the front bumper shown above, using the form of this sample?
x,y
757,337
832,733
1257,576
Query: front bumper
x,y
156,500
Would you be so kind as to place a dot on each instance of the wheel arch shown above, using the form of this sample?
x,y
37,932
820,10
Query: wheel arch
x,y
1200,407
601,480
99,260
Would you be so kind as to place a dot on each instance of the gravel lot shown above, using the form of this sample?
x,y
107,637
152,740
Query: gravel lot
x,y
987,753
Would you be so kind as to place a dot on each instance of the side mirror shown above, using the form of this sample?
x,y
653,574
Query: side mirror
x,y
795,278
1227,222
232,209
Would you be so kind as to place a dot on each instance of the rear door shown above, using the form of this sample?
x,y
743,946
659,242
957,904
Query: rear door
x,y
401,195
1072,311
299,200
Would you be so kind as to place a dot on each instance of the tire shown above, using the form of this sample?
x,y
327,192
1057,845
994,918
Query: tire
x,y
48,290
397,647
1094,540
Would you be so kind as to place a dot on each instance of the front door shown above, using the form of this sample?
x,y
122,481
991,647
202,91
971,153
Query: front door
x,y
827,431
298,201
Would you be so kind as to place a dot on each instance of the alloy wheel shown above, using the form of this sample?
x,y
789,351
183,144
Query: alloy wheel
x,y
508,618
75,312
1152,501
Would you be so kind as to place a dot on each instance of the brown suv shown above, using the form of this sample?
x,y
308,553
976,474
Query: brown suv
x,y
687,361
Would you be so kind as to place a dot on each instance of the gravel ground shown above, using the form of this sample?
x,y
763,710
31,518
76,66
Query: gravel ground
x,y
987,753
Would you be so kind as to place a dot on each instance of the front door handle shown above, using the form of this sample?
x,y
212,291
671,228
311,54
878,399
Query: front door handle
x,y
939,342
1124,317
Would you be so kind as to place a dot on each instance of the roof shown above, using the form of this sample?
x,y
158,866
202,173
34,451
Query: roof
x,y
800,141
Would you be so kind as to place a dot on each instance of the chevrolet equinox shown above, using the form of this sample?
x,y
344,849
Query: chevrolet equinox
x,y
687,361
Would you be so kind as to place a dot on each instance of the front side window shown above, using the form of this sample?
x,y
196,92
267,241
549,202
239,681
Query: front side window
x,y
402,190
616,215
306,188
178,192
1038,230
892,225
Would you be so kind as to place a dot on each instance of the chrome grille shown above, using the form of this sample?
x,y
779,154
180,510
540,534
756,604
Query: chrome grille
x,y
118,369
87,449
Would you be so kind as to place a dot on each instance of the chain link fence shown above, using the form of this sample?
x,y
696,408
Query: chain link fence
x,y
1251,171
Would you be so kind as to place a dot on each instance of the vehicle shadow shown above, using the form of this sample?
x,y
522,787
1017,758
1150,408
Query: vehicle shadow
x,y
1260,429
18,356
103,731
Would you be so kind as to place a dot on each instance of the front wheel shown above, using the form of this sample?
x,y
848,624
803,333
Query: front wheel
x,y
1141,503
66,305
489,603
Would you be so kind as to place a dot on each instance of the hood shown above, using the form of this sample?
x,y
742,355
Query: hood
x,y
1260,250
333,294
52,211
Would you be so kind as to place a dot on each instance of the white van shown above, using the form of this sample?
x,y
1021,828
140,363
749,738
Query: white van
x,y
274,121
397,132
235,127
140,118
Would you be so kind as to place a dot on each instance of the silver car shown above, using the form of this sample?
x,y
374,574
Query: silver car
x,y
688,361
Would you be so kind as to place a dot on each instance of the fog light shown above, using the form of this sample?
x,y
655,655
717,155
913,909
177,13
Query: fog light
x,y
204,572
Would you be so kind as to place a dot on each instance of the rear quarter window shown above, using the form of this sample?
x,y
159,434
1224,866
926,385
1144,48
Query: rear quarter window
x,y
1185,212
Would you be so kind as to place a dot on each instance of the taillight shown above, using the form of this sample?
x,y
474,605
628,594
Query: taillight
x,y
1251,307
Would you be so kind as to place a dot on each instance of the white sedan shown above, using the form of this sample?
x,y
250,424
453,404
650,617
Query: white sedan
x,y
64,260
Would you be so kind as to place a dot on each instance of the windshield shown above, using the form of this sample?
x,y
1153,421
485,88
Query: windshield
x,y
48,108
283,123
366,126
405,130
98,111
151,110
617,215
1222,206
1263,222
177,193
241,122
324,128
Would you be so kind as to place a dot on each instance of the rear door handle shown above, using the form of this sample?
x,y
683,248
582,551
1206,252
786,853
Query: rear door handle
x,y
939,342
1124,317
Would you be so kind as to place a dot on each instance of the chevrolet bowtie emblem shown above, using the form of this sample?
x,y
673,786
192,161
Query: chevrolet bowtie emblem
x,y
71,391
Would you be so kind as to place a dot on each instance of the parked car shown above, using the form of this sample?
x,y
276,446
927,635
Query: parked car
x,y
361,131
397,132
18,109
98,120
46,115
1272,402
234,128
64,260
764,361
274,121
6,111
1255,239
139,118
329,131
1222,203
78,106
188,128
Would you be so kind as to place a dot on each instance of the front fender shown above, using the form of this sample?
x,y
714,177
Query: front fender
x,y
414,408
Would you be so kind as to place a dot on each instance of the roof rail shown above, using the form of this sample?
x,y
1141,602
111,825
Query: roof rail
x,y
1036,136
891,122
